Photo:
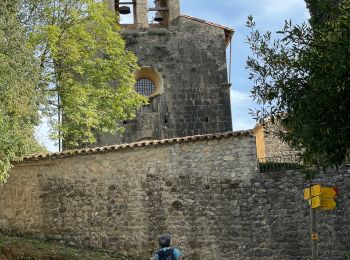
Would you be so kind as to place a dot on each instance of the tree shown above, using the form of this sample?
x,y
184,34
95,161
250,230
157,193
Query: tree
x,y
81,52
61,57
18,98
302,80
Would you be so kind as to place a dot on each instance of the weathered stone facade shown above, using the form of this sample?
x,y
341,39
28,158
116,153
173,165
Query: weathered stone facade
x,y
204,191
270,146
275,147
190,56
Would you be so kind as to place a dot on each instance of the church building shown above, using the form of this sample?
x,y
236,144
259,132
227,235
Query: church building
x,y
183,71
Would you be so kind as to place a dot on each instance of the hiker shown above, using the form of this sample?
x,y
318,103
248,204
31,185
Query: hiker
x,y
166,252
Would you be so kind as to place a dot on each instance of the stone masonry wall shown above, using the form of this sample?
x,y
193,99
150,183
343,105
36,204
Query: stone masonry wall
x,y
274,146
191,59
206,194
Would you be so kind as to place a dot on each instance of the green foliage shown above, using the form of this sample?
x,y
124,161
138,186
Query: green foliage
x,y
18,99
61,57
302,80
81,53
347,255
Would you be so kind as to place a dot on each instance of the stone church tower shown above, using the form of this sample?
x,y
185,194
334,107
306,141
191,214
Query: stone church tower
x,y
183,72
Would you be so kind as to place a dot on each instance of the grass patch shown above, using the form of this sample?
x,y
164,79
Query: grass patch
x,y
18,248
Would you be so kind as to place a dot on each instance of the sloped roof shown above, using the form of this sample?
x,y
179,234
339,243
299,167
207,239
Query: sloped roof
x,y
112,148
228,31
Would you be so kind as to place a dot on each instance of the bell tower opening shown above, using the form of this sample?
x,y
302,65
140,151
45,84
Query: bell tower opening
x,y
126,10
134,14
158,13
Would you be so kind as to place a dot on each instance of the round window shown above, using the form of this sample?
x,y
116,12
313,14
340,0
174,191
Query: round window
x,y
145,87
149,82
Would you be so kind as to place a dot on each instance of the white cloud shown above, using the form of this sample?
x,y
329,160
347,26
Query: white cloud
x,y
240,97
272,10
242,124
241,102
269,14
281,8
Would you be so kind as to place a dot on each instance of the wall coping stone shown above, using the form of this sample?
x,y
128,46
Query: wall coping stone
x,y
148,143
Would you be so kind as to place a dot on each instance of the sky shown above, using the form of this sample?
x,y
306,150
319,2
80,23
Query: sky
x,y
269,15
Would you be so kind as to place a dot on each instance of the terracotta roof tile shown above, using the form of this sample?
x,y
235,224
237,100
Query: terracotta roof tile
x,y
112,148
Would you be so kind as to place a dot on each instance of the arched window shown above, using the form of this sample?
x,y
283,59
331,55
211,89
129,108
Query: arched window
x,y
145,87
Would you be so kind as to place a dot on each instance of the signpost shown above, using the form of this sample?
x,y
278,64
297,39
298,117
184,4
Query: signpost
x,y
322,198
319,198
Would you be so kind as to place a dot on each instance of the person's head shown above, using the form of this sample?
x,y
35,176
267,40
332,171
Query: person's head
x,y
164,241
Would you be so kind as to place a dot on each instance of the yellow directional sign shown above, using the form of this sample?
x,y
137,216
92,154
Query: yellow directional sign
x,y
307,193
321,197
317,190
323,204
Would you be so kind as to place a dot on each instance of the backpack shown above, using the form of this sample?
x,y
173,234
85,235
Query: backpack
x,y
166,254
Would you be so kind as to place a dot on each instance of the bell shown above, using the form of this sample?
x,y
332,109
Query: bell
x,y
124,10
158,17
